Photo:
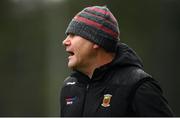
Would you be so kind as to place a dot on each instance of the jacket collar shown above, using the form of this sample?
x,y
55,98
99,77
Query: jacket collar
x,y
98,74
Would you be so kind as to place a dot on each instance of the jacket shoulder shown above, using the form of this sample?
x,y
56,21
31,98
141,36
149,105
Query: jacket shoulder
x,y
139,73
130,75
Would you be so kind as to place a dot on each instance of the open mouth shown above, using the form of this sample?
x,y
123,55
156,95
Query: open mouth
x,y
70,53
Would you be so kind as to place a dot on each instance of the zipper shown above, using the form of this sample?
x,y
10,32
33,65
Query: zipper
x,y
87,87
84,101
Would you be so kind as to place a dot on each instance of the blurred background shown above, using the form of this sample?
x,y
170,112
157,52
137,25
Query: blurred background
x,y
33,61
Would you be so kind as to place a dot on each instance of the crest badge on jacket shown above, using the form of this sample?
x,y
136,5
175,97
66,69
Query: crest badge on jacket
x,y
106,100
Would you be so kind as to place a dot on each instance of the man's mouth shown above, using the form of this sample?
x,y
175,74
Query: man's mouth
x,y
71,53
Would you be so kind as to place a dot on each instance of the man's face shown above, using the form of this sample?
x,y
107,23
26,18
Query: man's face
x,y
81,52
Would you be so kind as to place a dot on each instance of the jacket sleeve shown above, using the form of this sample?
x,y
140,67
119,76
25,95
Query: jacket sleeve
x,y
149,101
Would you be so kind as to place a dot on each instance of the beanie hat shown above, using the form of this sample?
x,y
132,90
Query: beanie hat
x,y
96,24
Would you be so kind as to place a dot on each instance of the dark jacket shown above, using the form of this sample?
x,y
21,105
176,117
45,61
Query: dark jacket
x,y
119,88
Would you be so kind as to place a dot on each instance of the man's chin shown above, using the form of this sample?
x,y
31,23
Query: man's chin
x,y
72,67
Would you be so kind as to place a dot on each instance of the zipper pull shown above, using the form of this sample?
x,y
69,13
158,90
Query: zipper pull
x,y
87,87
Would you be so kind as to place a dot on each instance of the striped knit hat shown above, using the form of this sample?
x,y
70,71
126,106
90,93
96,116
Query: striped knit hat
x,y
98,25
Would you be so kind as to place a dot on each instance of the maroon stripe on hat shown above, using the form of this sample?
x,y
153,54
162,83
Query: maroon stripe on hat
x,y
101,12
95,24
100,18
98,10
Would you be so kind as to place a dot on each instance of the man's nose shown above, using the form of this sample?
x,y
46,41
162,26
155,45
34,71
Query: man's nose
x,y
66,42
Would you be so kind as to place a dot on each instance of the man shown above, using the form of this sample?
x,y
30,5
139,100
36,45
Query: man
x,y
108,78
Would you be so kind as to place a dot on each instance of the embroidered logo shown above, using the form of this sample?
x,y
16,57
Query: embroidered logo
x,y
106,100
71,83
70,100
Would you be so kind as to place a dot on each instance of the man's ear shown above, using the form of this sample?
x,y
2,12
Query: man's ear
x,y
95,46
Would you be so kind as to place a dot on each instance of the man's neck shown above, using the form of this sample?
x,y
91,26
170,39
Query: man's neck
x,y
100,60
